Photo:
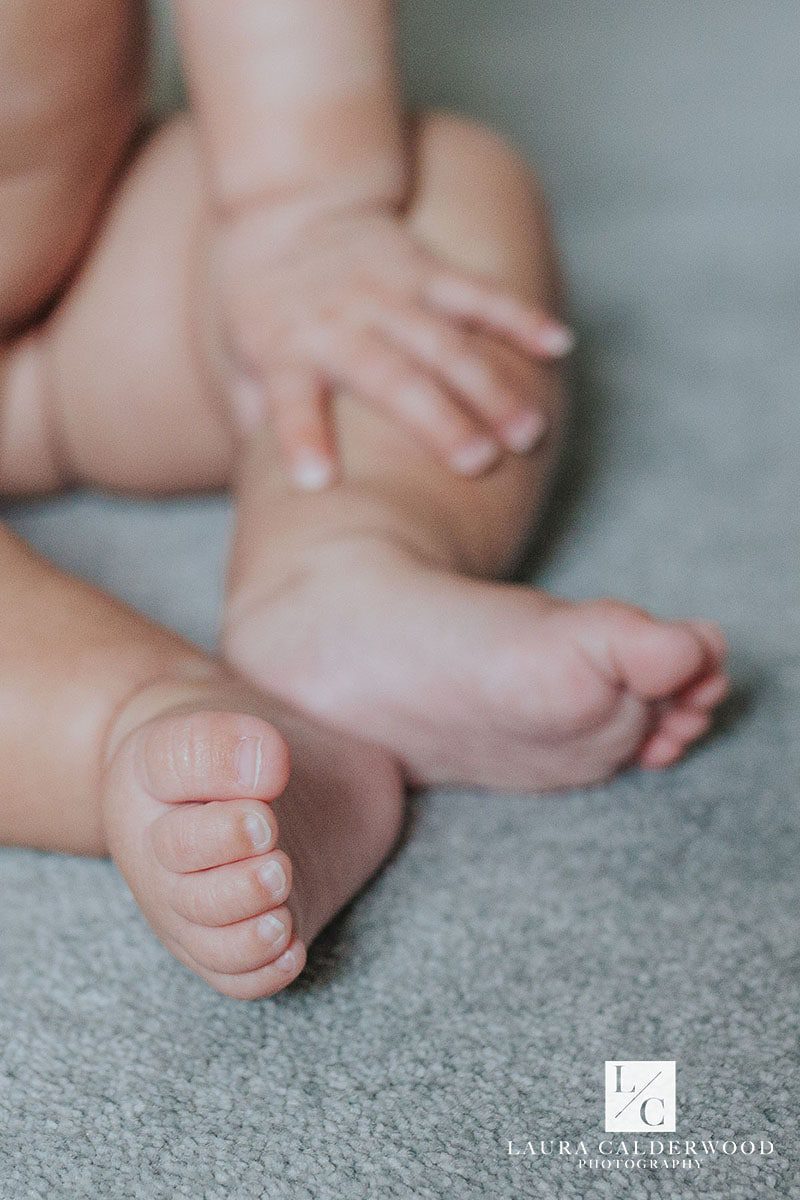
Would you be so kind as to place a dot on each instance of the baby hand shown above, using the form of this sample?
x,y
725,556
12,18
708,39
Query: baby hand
x,y
354,301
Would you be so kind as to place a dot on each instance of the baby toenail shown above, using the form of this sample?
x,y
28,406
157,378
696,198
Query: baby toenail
x,y
273,877
258,830
248,756
287,961
271,928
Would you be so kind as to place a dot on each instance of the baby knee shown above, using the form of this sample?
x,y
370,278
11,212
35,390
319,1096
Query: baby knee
x,y
490,154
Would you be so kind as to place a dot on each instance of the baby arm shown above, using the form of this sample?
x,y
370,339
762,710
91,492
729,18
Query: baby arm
x,y
319,280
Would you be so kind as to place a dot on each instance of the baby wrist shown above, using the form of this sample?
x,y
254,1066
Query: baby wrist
x,y
273,221
382,183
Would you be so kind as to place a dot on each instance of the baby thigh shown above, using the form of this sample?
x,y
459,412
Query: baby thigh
x,y
71,79
129,358
117,388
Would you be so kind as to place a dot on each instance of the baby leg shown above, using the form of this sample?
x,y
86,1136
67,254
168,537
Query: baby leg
x,y
71,74
369,603
116,387
240,826
340,601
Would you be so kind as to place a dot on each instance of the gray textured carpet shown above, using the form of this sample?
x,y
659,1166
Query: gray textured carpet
x,y
514,943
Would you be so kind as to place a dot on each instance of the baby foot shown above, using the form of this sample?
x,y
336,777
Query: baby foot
x,y
236,858
481,683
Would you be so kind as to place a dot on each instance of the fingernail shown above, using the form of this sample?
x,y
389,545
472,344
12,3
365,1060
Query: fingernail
x,y
273,877
258,830
474,457
248,757
312,473
523,433
556,339
270,928
247,399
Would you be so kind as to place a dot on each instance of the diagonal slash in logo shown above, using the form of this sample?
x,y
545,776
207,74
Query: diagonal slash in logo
x,y
636,1095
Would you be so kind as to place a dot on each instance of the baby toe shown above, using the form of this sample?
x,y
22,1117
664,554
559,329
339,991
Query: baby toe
x,y
708,692
684,725
187,756
714,638
242,947
658,658
264,981
195,837
659,751
234,892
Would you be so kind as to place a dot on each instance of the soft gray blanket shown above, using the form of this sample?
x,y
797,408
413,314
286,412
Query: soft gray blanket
x,y
514,943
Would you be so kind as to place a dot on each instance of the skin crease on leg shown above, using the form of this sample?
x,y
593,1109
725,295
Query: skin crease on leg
x,y
223,808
